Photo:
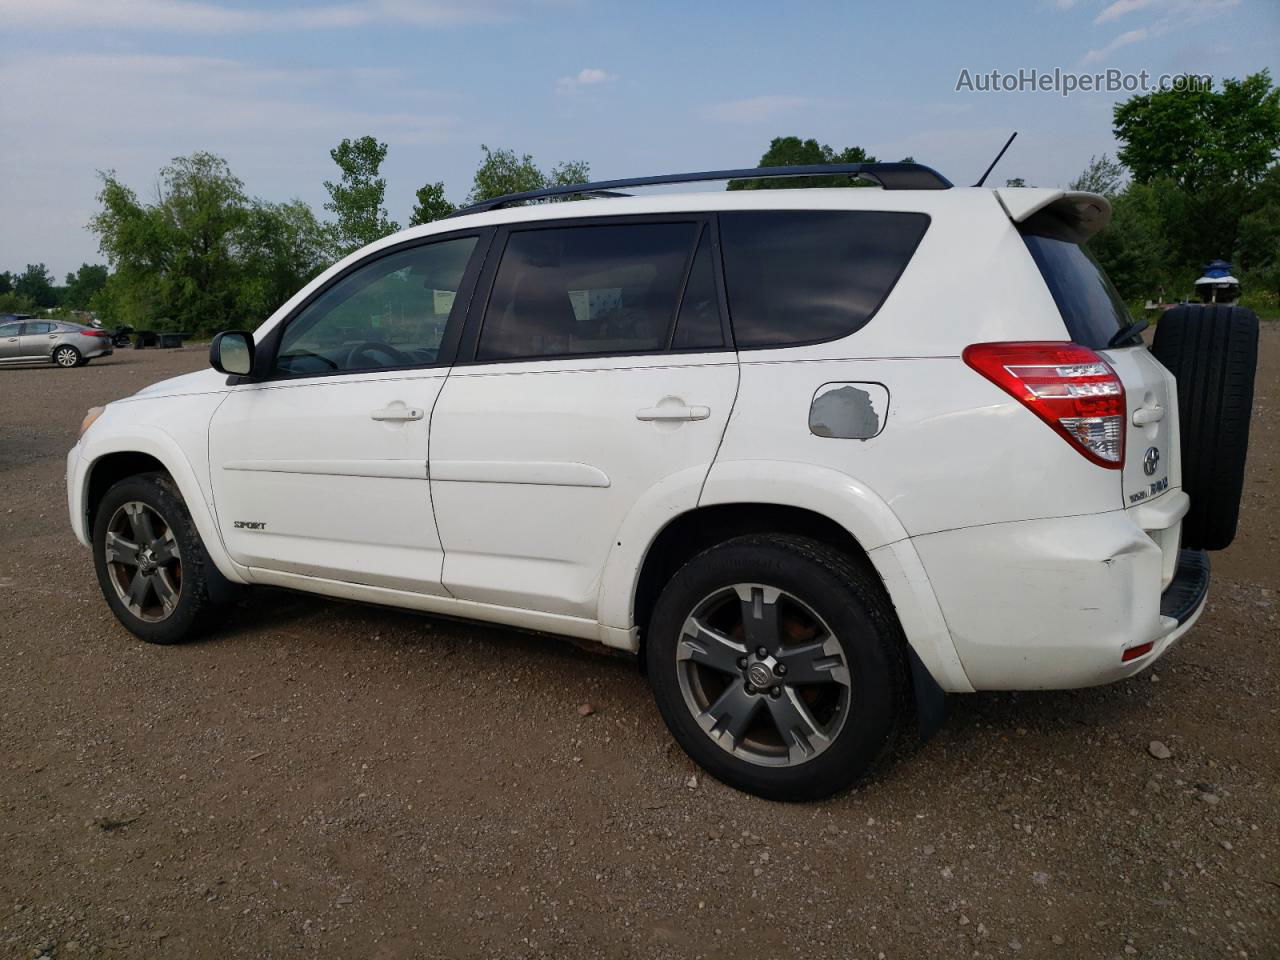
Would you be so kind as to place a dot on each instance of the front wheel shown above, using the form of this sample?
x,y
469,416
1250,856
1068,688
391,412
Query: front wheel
x,y
778,666
152,566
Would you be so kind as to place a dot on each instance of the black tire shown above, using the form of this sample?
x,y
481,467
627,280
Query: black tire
x,y
200,587
66,356
1212,351
846,600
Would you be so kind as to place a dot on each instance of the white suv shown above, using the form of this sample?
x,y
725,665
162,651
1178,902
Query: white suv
x,y
818,456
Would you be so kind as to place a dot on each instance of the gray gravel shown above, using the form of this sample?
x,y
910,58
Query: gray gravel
x,y
331,780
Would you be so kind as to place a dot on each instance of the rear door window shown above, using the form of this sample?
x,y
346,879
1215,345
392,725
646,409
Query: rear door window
x,y
698,325
808,276
593,289
1090,306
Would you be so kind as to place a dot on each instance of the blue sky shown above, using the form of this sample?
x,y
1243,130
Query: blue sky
x,y
632,88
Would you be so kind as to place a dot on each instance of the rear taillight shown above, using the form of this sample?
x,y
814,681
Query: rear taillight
x,y
95,333
1068,386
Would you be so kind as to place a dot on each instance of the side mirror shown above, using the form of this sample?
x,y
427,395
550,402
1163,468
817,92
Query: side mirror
x,y
232,353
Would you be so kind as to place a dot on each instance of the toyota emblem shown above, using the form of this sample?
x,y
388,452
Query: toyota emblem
x,y
1151,461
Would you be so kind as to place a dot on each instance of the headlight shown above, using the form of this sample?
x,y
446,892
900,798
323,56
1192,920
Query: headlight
x,y
93,414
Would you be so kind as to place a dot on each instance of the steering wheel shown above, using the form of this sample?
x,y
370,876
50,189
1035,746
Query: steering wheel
x,y
358,358
298,354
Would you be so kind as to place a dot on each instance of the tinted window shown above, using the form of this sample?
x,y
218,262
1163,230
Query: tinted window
x,y
586,290
803,277
1089,304
391,312
698,325
29,329
10,329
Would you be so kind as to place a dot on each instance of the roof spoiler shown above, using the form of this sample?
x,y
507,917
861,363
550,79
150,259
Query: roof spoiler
x,y
1065,214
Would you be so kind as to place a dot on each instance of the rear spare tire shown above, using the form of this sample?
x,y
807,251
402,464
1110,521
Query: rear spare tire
x,y
1212,350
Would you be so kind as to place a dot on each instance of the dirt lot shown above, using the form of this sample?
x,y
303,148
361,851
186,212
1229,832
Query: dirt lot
x,y
334,780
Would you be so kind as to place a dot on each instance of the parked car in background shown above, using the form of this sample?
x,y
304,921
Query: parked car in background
x,y
60,342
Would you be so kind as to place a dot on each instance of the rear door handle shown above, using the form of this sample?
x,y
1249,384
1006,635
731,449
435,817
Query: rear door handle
x,y
673,413
1144,415
397,412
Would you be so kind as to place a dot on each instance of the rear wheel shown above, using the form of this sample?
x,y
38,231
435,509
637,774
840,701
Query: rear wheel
x,y
152,566
777,664
1212,351
67,356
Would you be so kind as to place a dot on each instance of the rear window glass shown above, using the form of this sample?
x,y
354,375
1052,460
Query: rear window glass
x,y
807,276
1090,306
566,291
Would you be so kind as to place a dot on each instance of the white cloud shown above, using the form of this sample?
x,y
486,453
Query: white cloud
x,y
1173,15
755,109
1124,40
586,77
195,16
134,112
1121,7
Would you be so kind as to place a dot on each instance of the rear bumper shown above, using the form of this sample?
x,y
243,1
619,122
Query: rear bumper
x,y
95,350
1058,603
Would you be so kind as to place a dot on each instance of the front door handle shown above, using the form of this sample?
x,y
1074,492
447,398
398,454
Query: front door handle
x,y
674,412
397,412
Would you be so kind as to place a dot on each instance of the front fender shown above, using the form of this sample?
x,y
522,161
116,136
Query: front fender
x,y
154,441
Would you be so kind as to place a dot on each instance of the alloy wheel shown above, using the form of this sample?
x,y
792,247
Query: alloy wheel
x,y
764,677
143,562
66,357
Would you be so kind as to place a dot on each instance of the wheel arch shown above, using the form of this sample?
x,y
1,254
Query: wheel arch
x,y
742,497
150,450
688,534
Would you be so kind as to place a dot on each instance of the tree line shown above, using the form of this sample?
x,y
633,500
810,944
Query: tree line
x,y
1195,178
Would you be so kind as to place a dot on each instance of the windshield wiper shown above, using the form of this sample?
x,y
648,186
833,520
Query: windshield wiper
x,y
1130,334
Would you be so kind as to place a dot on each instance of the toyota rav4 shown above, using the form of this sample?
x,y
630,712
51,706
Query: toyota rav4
x,y
816,456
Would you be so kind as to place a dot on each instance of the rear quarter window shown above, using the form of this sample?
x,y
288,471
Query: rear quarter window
x,y
796,277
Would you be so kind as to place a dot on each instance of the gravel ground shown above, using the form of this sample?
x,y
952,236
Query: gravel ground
x,y
335,780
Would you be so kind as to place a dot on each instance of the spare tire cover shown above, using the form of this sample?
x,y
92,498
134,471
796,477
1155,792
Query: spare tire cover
x,y
1212,351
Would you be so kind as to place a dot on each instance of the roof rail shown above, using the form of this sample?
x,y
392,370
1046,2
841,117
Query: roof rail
x,y
891,176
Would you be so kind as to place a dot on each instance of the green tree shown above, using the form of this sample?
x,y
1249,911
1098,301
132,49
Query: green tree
x,y
1258,246
356,200
35,283
431,205
11,302
1016,182
568,172
281,247
6,282
1134,248
1200,160
83,284
502,172
1103,176
203,256
791,151
1197,136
